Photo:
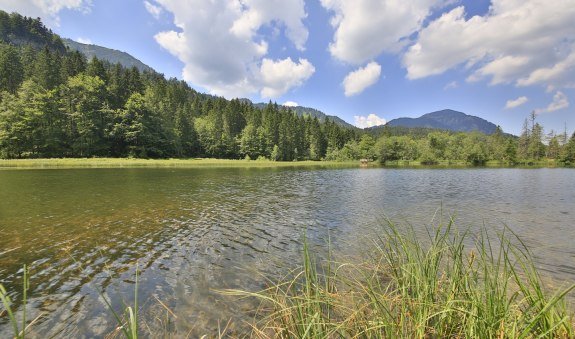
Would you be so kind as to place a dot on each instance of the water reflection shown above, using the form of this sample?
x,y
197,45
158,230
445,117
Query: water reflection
x,y
192,231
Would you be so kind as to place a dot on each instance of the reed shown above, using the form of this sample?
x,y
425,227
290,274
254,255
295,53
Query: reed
x,y
444,284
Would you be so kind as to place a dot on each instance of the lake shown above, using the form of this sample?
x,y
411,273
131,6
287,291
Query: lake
x,y
189,232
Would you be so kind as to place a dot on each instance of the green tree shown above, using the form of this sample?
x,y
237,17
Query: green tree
x,y
553,149
47,69
568,151
250,142
524,141
84,102
275,155
496,145
536,148
367,147
475,148
141,130
11,69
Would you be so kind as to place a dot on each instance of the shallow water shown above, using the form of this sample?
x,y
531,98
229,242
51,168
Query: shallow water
x,y
189,232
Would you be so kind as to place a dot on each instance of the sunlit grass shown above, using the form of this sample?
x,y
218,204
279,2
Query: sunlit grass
x,y
184,163
418,288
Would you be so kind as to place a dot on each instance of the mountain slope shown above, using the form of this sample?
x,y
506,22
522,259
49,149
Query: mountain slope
x,y
447,119
111,55
312,112
19,30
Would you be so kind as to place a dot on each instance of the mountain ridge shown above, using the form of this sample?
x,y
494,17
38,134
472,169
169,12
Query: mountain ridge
x,y
312,112
104,53
446,119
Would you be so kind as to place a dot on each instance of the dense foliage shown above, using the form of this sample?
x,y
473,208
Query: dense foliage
x,y
55,103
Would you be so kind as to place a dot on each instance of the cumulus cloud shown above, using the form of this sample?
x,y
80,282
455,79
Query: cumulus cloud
x,y
357,81
279,76
523,42
368,121
559,102
223,52
290,104
260,12
366,28
47,10
154,10
516,102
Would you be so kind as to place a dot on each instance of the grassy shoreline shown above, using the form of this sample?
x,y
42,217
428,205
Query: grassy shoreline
x,y
157,163
217,163
547,163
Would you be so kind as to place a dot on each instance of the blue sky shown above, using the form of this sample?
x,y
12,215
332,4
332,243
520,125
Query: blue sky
x,y
366,61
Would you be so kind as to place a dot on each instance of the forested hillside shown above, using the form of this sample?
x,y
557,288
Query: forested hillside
x,y
56,103
106,54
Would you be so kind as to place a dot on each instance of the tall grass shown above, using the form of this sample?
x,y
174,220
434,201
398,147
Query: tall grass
x,y
444,284
19,331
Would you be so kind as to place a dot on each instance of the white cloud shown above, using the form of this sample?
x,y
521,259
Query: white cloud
x,y
551,73
154,10
369,121
559,102
516,102
366,28
47,10
357,81
84,41
290,104
278,77
261,12
524,42
223,51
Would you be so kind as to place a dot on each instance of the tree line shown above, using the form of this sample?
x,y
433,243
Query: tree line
x,y
56,103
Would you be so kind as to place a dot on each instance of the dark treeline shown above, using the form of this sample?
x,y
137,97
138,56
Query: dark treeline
x,y
55,103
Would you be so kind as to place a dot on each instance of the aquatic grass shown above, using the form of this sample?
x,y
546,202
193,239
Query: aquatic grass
x,y
7,303
19,331
444,283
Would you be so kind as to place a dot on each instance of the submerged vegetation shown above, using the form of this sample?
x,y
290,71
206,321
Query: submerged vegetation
x,y
449,284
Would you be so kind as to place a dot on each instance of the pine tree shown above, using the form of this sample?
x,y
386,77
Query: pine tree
x,y
11,69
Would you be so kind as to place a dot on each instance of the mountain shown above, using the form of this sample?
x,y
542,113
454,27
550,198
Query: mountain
x,y
18,30
447,119
111,55
312,112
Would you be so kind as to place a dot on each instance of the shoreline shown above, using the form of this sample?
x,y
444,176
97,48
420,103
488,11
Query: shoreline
x,y
49,163
62,163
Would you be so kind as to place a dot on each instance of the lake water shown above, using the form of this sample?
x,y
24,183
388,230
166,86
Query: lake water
x,y
189,232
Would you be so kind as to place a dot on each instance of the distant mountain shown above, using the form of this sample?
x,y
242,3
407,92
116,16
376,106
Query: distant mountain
x,y
312,112
447,119
111,55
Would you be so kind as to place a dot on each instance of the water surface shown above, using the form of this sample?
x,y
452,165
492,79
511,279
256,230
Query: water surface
x,y
83,232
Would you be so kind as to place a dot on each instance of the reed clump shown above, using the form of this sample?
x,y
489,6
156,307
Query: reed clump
x,y
444,284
